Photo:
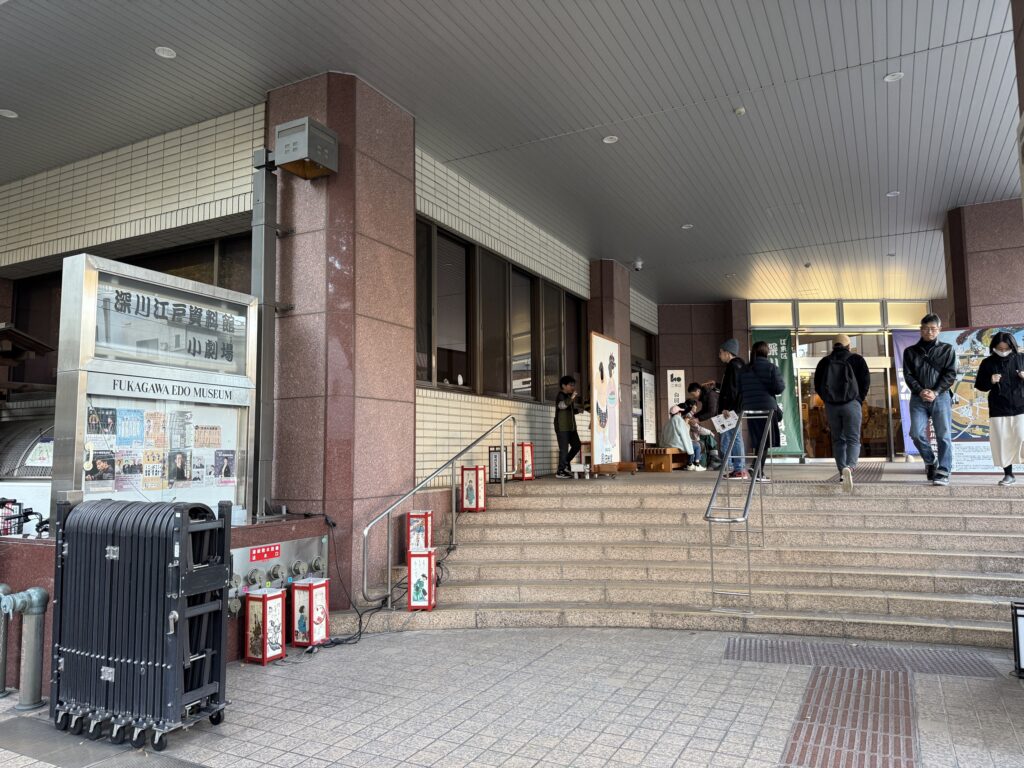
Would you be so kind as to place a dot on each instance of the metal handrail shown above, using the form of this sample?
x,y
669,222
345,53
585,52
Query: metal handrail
x,y
744,516
386,514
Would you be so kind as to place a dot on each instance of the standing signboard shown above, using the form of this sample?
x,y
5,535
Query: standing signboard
x,y
604,397
780,352
676,386
650,406
971,450
155,384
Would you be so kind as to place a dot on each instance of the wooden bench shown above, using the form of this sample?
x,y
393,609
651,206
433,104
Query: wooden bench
x,y
664,459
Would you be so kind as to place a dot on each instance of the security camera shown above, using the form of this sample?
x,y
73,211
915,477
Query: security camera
x,y
638,265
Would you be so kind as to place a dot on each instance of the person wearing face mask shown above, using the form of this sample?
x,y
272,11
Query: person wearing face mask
x,y
1001,374
929,369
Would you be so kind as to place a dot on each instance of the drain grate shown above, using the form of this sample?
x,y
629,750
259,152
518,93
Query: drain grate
x,y
924,660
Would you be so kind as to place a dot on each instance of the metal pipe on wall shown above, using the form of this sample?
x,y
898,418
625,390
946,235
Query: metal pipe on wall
x,y
5,623
31,604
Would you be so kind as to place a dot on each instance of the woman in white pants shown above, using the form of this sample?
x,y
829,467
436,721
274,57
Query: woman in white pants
x,y
1001,374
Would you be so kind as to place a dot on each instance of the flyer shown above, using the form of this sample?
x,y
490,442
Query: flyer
x,y
207,436
131,428
128,470
99,471
179,469
154,470
179,430
224,467
156,431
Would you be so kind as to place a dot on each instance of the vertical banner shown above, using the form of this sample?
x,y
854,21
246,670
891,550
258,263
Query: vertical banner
x,y
604,397
676,386
780,352
650,409
971,450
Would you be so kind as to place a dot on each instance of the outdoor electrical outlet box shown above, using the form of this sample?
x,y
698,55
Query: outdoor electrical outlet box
x,y
306,148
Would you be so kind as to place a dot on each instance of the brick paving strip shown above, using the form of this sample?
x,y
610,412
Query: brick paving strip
x,y
858,709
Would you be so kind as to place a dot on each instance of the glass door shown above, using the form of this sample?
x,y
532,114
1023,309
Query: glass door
x,y
880,428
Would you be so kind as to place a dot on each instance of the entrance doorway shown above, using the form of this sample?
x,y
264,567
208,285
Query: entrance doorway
x,y
881,432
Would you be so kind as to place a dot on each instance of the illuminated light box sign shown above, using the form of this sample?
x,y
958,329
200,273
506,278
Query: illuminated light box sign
x,y
155,387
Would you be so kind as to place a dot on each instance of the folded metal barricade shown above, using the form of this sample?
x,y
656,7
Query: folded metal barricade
x,y
140,618
735,516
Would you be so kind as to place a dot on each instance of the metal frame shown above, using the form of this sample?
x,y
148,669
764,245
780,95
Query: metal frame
x,y
77,364
386,514
744,512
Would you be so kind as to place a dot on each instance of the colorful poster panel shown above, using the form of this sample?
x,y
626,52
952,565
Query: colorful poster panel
x,y
179,469
131,428
128,471
604,397
224,467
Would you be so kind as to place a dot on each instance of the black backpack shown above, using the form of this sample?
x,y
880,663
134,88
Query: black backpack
x,y
840,382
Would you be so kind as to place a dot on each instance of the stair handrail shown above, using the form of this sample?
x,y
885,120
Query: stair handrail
x,y
726,462
386,514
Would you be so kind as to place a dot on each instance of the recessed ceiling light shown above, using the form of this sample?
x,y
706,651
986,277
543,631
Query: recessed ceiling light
x,y
730,274
740,111
610,139
891,255
686,226
8,113
893,77
893,193
164,52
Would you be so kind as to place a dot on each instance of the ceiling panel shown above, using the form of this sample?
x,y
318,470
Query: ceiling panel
x,y
517,96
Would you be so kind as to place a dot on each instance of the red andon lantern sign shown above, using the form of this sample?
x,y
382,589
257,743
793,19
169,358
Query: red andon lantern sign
x,y
422,581
420,533
474,489
310,622
526,457
264,625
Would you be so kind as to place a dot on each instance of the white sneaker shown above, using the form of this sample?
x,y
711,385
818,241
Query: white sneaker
x,y
1008,480
699,468
690,468
847,480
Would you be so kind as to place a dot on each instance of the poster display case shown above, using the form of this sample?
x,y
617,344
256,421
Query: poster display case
x,y
155,387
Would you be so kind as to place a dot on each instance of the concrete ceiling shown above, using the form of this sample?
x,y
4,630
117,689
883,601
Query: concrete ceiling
x,y
517,96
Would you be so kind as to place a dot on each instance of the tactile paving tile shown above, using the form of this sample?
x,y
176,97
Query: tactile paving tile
x,y
924,660
854,717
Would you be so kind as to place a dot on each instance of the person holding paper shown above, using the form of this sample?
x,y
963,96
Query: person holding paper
x,y
730,404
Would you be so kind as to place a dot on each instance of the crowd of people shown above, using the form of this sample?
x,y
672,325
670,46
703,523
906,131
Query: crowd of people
x,y
842,380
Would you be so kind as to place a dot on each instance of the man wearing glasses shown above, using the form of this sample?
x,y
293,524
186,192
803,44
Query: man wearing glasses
x,y
929,368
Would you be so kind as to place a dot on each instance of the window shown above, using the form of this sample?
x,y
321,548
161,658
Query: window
x,y
862,313
818,313
552,340
521,332
575,332
771,314
424,303
452,311
641,344
494,322
906,314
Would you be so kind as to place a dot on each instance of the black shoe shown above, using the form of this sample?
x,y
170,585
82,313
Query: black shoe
x,y
930,471
563,475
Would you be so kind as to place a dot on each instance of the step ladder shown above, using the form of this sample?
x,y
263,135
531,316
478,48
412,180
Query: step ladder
x,y
732,510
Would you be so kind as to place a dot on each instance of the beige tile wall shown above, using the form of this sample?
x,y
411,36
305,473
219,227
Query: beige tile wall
x,y
194,174
448,421
643,312
464,208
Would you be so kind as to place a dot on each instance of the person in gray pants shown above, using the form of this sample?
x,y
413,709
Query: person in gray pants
x,y
842,380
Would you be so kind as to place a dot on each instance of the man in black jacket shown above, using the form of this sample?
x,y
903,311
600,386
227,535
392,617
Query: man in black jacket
x,y
730,401
842,380
929,368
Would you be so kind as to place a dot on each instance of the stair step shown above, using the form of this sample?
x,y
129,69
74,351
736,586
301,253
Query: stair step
x,y
695,571
861,626
697,596
951,560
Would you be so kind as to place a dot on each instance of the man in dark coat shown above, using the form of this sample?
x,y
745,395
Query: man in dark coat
x,y
841,380
929,369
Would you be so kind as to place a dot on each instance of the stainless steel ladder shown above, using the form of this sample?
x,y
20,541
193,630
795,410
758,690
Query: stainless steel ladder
x,y
734,516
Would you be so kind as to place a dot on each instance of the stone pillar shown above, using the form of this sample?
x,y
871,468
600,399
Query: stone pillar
x,y
1017,14
985,264
608,314
345,379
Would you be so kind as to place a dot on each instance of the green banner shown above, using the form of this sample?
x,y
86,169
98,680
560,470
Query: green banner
x,y
780,352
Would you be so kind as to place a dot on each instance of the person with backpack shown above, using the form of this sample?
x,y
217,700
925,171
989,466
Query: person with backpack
x,y
1001,374
842,380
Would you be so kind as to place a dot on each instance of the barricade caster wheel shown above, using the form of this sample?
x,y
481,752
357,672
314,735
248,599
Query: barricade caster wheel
x,y
78,726
159,741
139,739
61,721
117,736
95,732
217,717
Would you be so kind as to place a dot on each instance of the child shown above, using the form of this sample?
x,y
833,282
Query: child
x,y
676,434
565,426
689,409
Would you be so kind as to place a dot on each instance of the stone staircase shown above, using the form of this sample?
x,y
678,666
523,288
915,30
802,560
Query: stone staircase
x,y
902,562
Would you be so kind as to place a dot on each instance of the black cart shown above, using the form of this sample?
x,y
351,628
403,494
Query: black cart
x,y
140,618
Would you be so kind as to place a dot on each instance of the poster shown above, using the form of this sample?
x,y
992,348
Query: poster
x,y
128,471
604,395
41,454
780,352
650,409
179,469
971,452
131,428
676,386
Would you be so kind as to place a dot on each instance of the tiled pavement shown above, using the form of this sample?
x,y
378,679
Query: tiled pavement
x,y
583,697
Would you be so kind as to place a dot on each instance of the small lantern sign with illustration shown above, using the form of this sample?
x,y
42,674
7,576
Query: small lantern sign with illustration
x,y
526,456
310,624
422,581
420,533
474,489
264,625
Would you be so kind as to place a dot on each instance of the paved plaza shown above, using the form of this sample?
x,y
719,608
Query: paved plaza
x,y
588,697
